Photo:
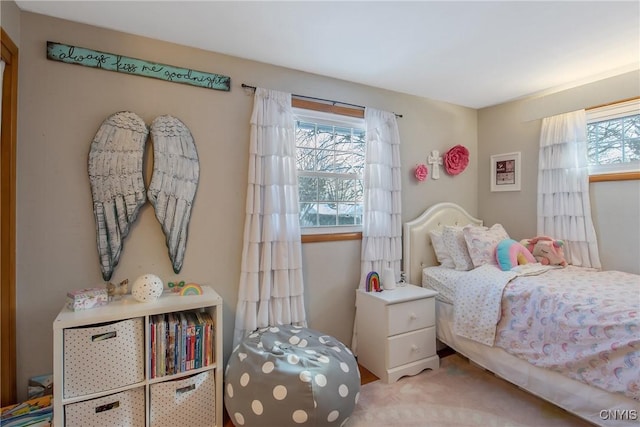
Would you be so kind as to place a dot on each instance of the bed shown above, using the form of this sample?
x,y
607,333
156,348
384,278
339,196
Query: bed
x,y
595,404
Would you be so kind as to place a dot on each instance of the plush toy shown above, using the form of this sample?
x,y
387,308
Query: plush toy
x,y
510,253
546,250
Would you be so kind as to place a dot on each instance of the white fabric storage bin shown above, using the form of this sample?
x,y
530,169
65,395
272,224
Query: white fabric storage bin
x,y
185,402
103,357
124,409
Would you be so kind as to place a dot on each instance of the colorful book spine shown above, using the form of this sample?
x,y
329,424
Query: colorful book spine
x,y
210,342
191,331
152,344
183,344
171,344
200,340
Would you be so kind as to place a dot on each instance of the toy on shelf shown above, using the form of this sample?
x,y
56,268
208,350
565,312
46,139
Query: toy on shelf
x,y
184,288
84,299
147,288
117,291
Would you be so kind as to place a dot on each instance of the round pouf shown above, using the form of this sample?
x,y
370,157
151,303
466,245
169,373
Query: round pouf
x,y
147,288
291,376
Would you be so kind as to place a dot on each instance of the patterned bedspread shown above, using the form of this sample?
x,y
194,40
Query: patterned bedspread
x,y
578,322
478,296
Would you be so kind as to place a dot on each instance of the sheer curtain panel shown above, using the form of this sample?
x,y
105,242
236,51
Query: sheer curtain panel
x,y
564,207
382,222
271,286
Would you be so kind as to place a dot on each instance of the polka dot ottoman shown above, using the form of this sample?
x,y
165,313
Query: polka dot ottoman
x,y
291,376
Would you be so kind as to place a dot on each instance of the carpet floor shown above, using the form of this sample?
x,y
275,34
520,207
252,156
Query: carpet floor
x,y
457,394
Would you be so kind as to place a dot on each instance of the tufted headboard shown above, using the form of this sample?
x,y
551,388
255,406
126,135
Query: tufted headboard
x,y
418,252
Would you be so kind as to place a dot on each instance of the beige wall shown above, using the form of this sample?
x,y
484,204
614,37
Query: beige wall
x,y
10,20
516,126
60,108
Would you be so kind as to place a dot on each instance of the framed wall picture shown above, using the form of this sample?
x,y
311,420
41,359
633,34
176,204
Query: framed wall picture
x,y
505,172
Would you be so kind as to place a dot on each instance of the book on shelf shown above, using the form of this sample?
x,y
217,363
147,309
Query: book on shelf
x,y
209,338
180,342
199,340
152,337
161,346
171,344
183,343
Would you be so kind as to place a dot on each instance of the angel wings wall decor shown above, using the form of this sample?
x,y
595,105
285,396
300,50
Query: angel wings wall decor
x,y
117,185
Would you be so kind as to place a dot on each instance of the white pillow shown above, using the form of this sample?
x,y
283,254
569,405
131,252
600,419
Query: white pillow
x,y
453,238
482,242
440,249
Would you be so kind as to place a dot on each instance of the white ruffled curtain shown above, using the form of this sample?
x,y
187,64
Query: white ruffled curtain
x,y
564,207
381,222
271,288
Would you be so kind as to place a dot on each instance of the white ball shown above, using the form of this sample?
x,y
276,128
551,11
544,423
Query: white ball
x,y
147,288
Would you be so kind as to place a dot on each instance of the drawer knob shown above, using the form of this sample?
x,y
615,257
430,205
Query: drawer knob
x,y
414,347
413,316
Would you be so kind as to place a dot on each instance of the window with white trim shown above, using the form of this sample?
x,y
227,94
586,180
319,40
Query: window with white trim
x,y
330,154
613,135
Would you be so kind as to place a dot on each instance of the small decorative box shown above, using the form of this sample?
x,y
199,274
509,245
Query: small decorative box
x,y
83,299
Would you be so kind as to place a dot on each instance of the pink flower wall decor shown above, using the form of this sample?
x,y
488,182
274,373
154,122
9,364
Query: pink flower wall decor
x,y
456,160
421,172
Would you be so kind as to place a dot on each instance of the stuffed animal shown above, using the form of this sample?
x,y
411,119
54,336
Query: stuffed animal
x,y
546,250
510,254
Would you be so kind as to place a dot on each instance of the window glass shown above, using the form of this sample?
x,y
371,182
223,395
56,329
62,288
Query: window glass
x,y
613,134
330,162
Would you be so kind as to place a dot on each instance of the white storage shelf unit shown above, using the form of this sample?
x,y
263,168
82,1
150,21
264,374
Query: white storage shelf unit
x,y
85,393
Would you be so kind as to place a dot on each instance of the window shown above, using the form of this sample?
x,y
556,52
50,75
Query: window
x,y
330,151
613,134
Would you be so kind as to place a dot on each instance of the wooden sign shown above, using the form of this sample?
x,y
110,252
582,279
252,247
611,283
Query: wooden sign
x,y
123,64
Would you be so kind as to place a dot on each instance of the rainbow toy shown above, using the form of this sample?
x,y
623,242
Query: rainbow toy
x,y
191,289
373,282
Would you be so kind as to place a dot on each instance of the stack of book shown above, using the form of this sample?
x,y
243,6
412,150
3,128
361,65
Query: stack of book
x,y
36,412
180,342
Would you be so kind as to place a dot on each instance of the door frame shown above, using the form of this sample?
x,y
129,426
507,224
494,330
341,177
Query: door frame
x,y
8,137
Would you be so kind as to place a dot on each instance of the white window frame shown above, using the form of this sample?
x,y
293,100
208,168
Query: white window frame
x,y
333,120
610,112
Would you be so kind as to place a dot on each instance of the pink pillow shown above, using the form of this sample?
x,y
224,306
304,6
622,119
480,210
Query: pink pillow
x,y
482,243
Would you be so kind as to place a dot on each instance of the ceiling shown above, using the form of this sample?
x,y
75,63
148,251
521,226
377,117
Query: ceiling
x,y
470,53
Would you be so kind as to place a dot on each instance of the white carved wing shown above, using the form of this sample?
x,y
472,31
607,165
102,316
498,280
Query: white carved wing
x,y
174,182
117,186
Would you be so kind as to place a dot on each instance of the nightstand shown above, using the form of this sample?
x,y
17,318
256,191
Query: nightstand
x,y
396,331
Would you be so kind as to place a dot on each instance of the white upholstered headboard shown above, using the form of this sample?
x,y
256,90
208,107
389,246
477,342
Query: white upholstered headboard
x,y
417,248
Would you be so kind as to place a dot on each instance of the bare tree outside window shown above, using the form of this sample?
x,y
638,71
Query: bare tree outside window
x,y
614,141
330,162
613,135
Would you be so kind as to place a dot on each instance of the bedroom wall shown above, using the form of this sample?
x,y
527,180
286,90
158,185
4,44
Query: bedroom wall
x,y
61,107
10,20
515,126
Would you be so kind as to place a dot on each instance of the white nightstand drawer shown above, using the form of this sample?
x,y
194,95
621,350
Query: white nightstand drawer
x,y
407,348
411,315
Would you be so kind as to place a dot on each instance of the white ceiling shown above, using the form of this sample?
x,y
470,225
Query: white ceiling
x,y
471,53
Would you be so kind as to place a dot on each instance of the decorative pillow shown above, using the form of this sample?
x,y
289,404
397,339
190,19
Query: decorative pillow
x,y
510,254
440,249
453,239
482,241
